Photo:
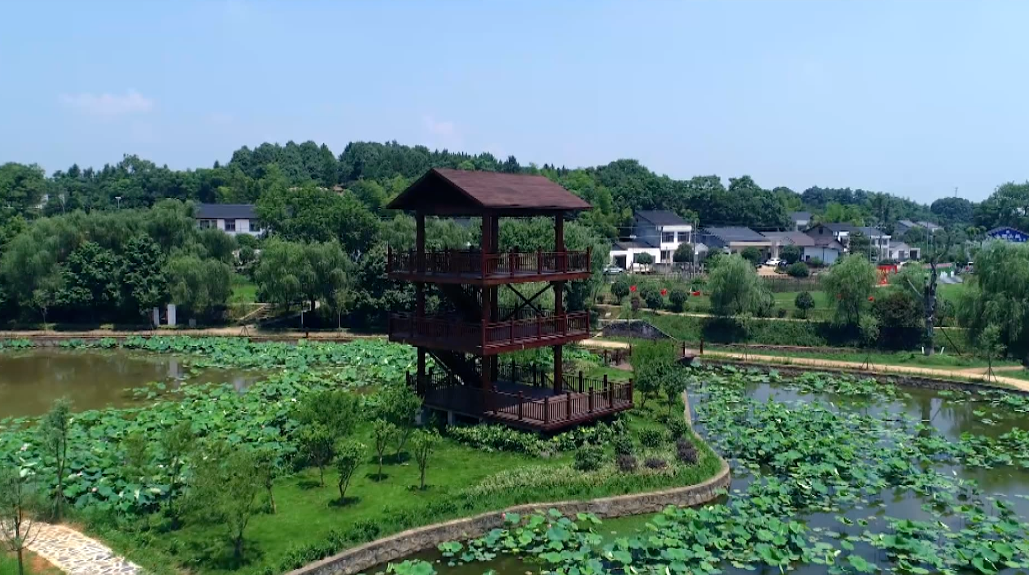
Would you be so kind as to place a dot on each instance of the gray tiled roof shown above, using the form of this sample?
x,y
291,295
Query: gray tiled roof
x,y
661,218
226,212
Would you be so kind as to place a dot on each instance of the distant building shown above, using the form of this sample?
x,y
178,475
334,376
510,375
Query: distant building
x,y
902,227
801,220
655,232
1008,234
734,239
880,243
232,219
781,239
828,246
901,252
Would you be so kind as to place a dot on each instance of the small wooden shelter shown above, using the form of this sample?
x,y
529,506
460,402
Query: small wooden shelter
x,y
469,378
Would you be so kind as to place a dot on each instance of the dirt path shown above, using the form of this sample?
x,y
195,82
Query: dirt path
x,y
978,373
76,554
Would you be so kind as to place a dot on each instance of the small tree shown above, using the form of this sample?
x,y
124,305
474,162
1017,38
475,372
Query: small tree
x,y
176,443
683,254
54,430
790,254
224,490
337,410
989,346
400,405
644,259
798,270
424,444
620,287
752,255
804,302
348,457
745,323
18,497
383,432
268,469
815,263
317,444
868,326
674,385
678,298
736,288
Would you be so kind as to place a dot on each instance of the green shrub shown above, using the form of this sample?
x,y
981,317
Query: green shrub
x,y
798,270
652,437
686,451
652,296
678,297
804,302
620,287
678,427
655,463
589,457
623,444
626,463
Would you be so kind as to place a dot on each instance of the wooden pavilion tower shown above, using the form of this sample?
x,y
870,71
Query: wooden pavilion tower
x,y
469,377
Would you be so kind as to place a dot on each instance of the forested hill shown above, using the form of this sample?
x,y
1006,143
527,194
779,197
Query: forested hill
x,y
374,172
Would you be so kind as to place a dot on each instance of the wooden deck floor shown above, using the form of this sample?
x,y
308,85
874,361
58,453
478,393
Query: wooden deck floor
x,y
530,407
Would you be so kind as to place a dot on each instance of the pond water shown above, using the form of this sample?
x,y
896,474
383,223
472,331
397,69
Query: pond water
x,y
855,524
31,380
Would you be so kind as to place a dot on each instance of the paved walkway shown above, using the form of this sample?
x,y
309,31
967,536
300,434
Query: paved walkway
x,y
76,554
978,373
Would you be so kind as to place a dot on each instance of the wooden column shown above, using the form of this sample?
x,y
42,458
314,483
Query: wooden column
x,y
419,287
559,294
494,298
486,246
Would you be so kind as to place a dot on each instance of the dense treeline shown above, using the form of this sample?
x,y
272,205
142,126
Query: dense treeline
x,y
96,245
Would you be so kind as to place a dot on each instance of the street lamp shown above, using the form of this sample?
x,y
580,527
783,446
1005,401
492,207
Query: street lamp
x,y
119,201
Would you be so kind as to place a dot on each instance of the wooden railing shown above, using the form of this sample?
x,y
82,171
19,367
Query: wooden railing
x,y
486,335
476,264
444,391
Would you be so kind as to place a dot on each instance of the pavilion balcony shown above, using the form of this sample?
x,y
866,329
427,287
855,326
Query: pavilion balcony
x,y
476,267
529,401
488,338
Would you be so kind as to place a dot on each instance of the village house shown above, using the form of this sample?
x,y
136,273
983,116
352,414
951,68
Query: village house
x,y
655,232
232,219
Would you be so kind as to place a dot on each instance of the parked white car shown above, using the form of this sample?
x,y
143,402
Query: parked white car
x,y
774,262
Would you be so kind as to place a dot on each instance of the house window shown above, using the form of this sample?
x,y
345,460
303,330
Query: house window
x,y
683,237
666,256
230,225
667,237
205,224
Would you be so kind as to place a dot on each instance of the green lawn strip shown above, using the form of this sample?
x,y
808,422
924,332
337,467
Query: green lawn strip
x,y
243,290
1023,374
912,359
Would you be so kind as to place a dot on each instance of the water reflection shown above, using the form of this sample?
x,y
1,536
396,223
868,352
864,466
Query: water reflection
x,y
30,381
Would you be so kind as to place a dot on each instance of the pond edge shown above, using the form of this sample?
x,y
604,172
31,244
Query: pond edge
x,y
357,559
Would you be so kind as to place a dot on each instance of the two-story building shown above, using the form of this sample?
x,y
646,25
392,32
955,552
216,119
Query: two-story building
x,y
902,227
735,239
800,220
880,243
232,219
655,232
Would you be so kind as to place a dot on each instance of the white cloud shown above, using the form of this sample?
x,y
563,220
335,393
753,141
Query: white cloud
x,y
108,105
443,129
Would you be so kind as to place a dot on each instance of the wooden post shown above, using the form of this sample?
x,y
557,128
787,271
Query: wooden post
x,y
568,405
590,396
539,261
546,410
631,401
512,260
521,401
558,362
581,383
605,381
559,241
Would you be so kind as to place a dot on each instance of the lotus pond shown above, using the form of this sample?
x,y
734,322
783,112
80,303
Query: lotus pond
x,y
831,475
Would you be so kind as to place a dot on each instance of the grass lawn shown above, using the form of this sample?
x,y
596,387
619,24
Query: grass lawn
x,y
33,565
461,480
243,290
1023,374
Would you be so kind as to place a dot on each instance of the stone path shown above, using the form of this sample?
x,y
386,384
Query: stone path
x,y
76,554
879,368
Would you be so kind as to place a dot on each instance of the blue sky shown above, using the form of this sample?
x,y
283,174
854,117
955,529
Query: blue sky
x,y
913,98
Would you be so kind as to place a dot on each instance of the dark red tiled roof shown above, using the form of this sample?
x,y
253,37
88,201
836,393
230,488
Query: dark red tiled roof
x,y
488,191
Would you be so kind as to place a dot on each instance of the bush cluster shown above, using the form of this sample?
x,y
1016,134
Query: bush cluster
x,y
655,463
626,462
686,451
652,437
678,427
589,457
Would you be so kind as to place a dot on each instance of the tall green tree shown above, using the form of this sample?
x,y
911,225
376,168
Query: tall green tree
x,y
224,489
18,501
199,285
997,295
736,288
849,286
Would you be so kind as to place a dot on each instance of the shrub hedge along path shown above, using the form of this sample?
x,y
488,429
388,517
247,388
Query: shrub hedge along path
x,y
975,373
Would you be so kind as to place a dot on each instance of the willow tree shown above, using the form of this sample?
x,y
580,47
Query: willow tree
x,y
736,289
850,284
997,295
